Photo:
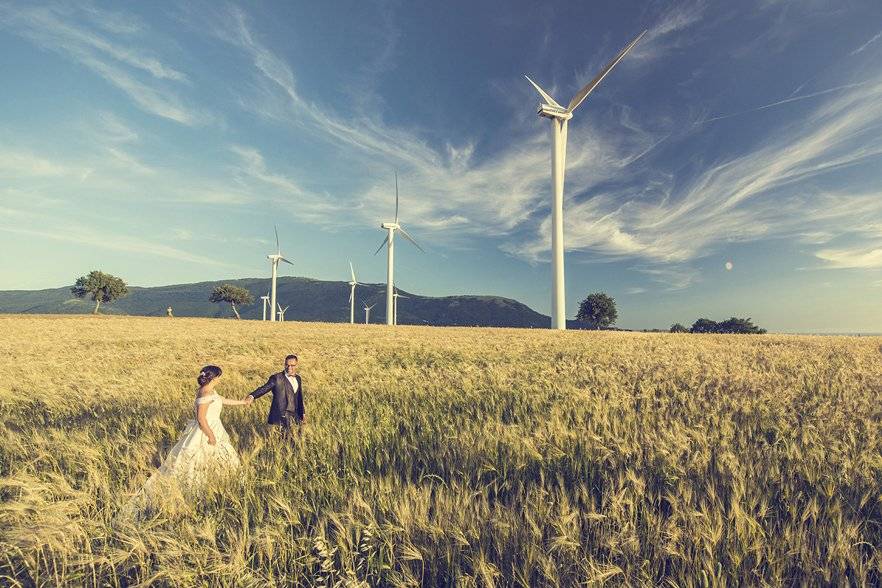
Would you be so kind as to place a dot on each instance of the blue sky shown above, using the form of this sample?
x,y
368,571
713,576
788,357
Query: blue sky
x,y
162,143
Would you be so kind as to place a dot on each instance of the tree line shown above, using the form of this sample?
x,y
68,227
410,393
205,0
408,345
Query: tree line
x,y
596,311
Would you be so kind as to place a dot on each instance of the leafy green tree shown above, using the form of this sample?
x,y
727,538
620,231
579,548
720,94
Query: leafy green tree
x,y
740,326
598,311
101,287
232,294
678,328
704,325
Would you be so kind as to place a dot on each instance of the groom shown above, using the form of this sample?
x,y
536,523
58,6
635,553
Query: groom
x,y
286,410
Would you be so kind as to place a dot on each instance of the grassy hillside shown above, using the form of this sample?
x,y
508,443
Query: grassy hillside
x,y
308,300
445,457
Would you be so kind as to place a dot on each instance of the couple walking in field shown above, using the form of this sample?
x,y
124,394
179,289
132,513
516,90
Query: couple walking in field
x,y
205,445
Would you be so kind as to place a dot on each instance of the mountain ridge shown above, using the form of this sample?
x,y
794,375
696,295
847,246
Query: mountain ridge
x,y
308,300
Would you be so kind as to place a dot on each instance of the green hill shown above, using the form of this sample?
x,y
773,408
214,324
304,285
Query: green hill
x,y
308,300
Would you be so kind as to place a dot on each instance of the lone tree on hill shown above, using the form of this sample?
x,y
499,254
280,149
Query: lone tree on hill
x,y
102,288
678,328
232,294
598,311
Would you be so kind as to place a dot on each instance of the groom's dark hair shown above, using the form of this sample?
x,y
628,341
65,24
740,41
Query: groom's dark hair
x,y
292,356
207,374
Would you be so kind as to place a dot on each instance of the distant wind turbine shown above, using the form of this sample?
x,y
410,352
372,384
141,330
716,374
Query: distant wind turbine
x,y
396,296
275,258
389,241
265,300
282,312
353,283
559,116
367,312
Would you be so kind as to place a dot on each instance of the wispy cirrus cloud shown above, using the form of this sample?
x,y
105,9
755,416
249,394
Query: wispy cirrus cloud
x,y
17,163
83,235
752,196
860,257
491,196
666,220
863,47
107,43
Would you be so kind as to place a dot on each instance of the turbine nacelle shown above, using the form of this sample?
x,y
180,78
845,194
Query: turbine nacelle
x,y
549,111
393,226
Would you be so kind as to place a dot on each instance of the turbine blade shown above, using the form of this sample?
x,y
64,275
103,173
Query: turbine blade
x,y
278,248
351,292
286,261
409,238
583,93
352,271
386,240
396,197
545,95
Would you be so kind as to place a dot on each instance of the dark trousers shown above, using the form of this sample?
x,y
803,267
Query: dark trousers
x,y
290,425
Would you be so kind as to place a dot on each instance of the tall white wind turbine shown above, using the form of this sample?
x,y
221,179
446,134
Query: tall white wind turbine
x,y
275,258
265,300
282,312
389,241
396,296
352,284
367,312
559,117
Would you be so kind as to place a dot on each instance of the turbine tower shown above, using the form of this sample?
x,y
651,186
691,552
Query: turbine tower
x,y
559,117
352,284
396,296
275,258
282,312
389,241
367,312
265,300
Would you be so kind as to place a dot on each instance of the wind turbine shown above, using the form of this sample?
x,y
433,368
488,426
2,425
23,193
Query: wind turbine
x,y
352,285
265,300
367,312
559,117
275,258
396,296
282,312
389,241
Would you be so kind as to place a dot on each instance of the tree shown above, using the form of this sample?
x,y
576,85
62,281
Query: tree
x,y
232,294
704,325
739,326
597,311
102,288
678,328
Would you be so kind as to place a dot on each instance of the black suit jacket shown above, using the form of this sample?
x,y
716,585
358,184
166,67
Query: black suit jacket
x,y
279,385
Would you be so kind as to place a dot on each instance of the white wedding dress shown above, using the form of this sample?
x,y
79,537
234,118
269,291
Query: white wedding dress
x,y
190,460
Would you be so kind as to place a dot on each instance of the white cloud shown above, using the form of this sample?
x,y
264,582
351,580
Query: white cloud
x,y
867,44
18,164
83,235
852,258
58,28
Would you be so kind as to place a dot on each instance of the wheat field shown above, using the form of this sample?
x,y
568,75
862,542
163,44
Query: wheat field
x,y
444,457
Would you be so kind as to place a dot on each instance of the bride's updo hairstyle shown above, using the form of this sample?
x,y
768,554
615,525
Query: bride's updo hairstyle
x,y
208,373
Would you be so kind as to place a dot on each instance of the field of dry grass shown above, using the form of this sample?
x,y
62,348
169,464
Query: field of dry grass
x,y
445,456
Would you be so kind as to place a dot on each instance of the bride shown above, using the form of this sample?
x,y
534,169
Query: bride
x,y
203,447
